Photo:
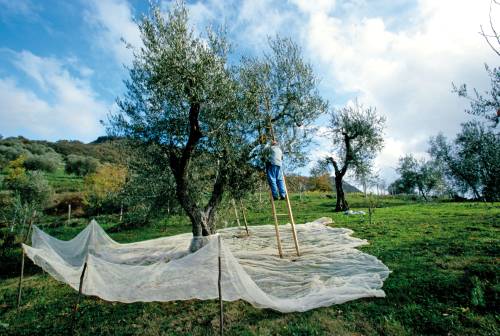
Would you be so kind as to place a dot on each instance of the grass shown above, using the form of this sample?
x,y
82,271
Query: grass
x,y
62,182
443,256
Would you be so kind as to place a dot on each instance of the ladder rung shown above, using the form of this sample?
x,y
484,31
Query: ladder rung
x,y
281,214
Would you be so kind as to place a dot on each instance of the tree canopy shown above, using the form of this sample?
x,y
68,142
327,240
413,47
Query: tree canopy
x,y
204,117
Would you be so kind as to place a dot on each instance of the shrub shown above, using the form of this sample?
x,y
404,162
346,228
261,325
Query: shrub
x,y
10,152
102,188
81,165
48,162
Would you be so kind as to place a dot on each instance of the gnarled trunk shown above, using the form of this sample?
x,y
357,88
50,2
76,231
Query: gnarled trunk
x,y
202,218
342,204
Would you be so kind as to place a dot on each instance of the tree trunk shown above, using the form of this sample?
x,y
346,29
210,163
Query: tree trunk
x,y
202,219
341,202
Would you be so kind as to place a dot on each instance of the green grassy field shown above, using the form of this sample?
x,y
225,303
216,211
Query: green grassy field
x,y
444,259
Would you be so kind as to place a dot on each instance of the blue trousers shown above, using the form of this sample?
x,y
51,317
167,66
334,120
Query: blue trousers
x,y
275,180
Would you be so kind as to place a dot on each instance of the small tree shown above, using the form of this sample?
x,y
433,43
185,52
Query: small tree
x,y
30,190
421,176
357,134
103,187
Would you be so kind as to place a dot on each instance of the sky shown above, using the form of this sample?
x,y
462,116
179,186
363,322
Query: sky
x,y
62,63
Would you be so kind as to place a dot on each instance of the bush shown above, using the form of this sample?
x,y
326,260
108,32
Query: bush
x,y
48,162
102,188
81,165
31,187
9,153
34,189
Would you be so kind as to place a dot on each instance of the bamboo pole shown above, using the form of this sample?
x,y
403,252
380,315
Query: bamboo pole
x,y
219,287
20,284
292,221
278,239
236,212
244,217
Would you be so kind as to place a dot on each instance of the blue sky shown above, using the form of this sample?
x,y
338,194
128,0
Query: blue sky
x,y
62,62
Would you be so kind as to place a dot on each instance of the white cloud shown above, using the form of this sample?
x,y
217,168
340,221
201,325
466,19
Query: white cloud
x,y
399,55
317,6
406,74
113,21
67,108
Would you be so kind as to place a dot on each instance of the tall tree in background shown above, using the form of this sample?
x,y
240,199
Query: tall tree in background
x,y
357,133
421,176
472,161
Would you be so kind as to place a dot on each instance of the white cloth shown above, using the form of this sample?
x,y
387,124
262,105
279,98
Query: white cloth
x,y
329,271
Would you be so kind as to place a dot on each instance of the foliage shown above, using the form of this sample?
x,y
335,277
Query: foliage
x,y
104,149
472,161
24,192
281,98
102,188
11,152
184,99
48,162
421,176
149,191
38,156
81,165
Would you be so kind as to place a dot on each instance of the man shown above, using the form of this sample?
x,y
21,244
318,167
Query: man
x,y
274,173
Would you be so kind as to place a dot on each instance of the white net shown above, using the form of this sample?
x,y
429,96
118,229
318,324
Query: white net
x,y
329,271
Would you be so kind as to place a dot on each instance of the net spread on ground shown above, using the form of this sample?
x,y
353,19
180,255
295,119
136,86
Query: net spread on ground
x,y
329,271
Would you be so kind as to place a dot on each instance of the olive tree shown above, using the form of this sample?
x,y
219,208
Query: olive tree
x,y
357,134
198,112
181,96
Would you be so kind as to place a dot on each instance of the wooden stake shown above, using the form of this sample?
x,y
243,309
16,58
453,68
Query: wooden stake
x,y
244,217
278,239
69,212
79,293
19,286
236,212
121,210
219,287
292,221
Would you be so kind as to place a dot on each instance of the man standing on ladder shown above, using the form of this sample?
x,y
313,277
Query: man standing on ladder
x,y
274,173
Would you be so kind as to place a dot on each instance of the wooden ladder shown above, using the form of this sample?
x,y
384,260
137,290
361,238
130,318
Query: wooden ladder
x,y
292,221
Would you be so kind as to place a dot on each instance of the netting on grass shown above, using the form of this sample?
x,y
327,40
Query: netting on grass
x,y
329,271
